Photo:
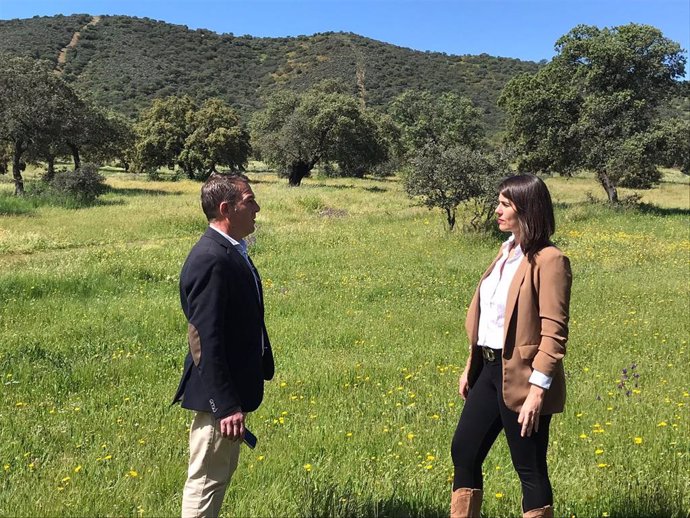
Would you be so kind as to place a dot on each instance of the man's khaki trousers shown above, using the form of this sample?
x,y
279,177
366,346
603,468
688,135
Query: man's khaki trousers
x,y
212,461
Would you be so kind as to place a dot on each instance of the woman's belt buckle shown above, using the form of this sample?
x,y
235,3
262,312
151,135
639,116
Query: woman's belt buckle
x,y
489,354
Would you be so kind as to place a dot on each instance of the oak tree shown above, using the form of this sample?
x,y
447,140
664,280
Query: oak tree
x,y
593,106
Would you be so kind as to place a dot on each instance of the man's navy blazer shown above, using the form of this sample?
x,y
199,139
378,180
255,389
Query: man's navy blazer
x,y
225,369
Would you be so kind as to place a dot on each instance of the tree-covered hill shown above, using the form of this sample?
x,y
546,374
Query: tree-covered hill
x,y
40,37
124,62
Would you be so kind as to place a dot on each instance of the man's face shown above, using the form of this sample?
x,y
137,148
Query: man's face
x,y
243,215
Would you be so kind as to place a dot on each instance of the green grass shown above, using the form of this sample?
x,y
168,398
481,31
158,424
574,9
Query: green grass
x,y
366,296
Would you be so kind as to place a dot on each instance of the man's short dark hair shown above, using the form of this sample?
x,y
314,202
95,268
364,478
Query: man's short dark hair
x,y
221,187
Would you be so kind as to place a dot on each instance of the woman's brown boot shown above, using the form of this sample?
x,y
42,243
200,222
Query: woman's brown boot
x,y
465,503
542,512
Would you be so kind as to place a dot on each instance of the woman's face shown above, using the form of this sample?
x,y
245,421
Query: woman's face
x,y
507,216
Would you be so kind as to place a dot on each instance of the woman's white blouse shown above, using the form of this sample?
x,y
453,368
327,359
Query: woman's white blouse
x,y
493,295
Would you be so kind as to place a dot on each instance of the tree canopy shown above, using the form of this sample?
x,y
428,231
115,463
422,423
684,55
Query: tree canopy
x,y
446,159
175,131
593,106
42,117
297,131
446,119
447,176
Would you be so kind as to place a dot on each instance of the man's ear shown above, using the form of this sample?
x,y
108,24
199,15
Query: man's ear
x,y
224,209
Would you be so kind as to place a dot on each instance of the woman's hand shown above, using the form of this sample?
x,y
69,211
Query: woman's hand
x,y
463,384
531,409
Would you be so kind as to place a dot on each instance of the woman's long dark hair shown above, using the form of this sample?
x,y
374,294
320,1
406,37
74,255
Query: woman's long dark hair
x,y
534,210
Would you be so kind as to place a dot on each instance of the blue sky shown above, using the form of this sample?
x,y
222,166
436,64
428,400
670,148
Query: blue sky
x,y
524,29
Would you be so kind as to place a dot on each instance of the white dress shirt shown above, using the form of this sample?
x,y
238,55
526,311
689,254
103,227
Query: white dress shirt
x,y
493,295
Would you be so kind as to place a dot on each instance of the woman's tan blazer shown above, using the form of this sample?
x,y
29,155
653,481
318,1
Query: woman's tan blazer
x,y
536,328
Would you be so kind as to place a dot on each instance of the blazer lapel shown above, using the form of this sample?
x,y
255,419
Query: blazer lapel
x,y
513,292
258,283
239,260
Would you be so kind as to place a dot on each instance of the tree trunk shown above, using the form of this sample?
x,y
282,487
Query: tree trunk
x,y
75,156
50,173
358,172
17,168
450,216
608,186
298,170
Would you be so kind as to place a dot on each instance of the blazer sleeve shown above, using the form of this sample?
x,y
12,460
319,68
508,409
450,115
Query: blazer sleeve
x,y
553,283
210,332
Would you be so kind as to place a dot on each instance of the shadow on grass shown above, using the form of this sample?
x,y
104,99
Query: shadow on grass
x,y
255,177
648,208
11,205
326,499
655,506
375,189
642,499
327,186
399,508
129,191
38,196
642,208
390,508
16,211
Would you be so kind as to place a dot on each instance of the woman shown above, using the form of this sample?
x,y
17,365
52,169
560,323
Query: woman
x,y
517,324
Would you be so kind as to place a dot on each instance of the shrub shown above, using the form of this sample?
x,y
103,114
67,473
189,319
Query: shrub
x,y
311,203
84,184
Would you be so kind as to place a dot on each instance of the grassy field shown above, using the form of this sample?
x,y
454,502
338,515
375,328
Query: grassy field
x,y
366,297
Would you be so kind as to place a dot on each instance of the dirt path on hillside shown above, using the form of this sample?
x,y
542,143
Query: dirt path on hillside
x,y
62,57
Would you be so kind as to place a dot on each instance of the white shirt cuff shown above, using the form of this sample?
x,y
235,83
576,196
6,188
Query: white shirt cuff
x,y
540,380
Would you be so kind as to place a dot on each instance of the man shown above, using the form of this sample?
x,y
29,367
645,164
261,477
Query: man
x,y
229,352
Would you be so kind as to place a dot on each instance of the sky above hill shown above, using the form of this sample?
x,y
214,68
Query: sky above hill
x,y
524,29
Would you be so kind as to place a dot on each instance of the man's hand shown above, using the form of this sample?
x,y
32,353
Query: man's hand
x,y
531,409
232,426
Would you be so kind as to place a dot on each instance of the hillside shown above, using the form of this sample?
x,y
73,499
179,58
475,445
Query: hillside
x,y
124,62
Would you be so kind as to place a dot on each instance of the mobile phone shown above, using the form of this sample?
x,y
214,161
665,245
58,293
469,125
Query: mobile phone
x,y
249,438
